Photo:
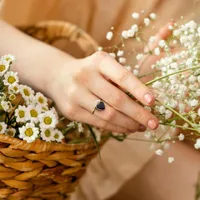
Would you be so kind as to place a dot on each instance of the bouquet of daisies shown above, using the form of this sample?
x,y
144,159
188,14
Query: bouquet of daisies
x,y
26,114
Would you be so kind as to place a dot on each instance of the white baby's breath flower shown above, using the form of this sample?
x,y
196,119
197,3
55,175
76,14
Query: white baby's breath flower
x,y
120,53
80,127
159,152
21,114
28,132
125,34
147,134
162,43
197,144
3,127
112,55
181,137
48,120
135,28
135,15
147,21
157,51
11,132
139,56
109,35
136,72
131,33
171,160
122,60
47,134
10,78
152,16
193,102
58,135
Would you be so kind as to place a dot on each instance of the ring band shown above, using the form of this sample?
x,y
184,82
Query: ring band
x,y
100,105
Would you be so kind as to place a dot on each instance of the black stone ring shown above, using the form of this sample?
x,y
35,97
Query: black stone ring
x,y
100,105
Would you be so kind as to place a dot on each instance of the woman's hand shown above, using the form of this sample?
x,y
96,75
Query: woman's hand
x,y
77,85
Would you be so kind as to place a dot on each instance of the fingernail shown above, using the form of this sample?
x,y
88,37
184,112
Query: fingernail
x,y
148,98
152,124
142,128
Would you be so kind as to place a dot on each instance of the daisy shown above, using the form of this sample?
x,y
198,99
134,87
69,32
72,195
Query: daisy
x,y
13,89
33,113
47,134
28,132
58,136
21,113
48,120
41,99
6,106
3,127
10,78
3,67
11,132
26,92
8,57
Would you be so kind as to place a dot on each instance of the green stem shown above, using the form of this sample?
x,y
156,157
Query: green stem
x,y
163,77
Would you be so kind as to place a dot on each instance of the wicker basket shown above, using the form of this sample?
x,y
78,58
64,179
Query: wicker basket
x,y
40,170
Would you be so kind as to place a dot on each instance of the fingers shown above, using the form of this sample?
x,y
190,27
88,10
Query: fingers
x,y
82,115
110,114
120,101
126,80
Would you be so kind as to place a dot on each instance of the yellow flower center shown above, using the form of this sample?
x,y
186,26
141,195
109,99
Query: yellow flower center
x,y
33,113
1,127
12,97
41,100
2,68
47,133
26,92
47,120
21,113
29,132
56,136
11,79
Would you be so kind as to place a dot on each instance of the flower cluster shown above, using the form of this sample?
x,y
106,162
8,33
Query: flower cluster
x,y
176,82
24,113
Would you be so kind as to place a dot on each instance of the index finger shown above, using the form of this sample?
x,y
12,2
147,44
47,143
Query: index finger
x,y
126,80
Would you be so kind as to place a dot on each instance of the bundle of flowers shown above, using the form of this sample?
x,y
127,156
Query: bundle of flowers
x,y
28,115
175,79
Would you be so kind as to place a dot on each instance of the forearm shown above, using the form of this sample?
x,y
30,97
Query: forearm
x,y
36,62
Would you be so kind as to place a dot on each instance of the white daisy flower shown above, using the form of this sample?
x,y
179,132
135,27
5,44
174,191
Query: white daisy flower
x,y
8,57
58,135
48,120
10,78
26,92
11,132
3,67
41,99
13,89
3,127
28,132
6,105
21,113
33,112
47,134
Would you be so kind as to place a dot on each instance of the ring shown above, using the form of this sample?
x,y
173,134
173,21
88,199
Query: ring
x,y
100,105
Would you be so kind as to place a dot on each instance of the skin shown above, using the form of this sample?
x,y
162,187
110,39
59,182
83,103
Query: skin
x,y
88,79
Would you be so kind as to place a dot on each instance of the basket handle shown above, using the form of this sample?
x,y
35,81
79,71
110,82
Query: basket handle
x,y
49,31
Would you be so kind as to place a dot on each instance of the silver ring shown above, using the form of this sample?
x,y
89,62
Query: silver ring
x,y
99,105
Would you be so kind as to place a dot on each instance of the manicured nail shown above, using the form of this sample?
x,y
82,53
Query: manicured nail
x,y
148,98
152,124
142,128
